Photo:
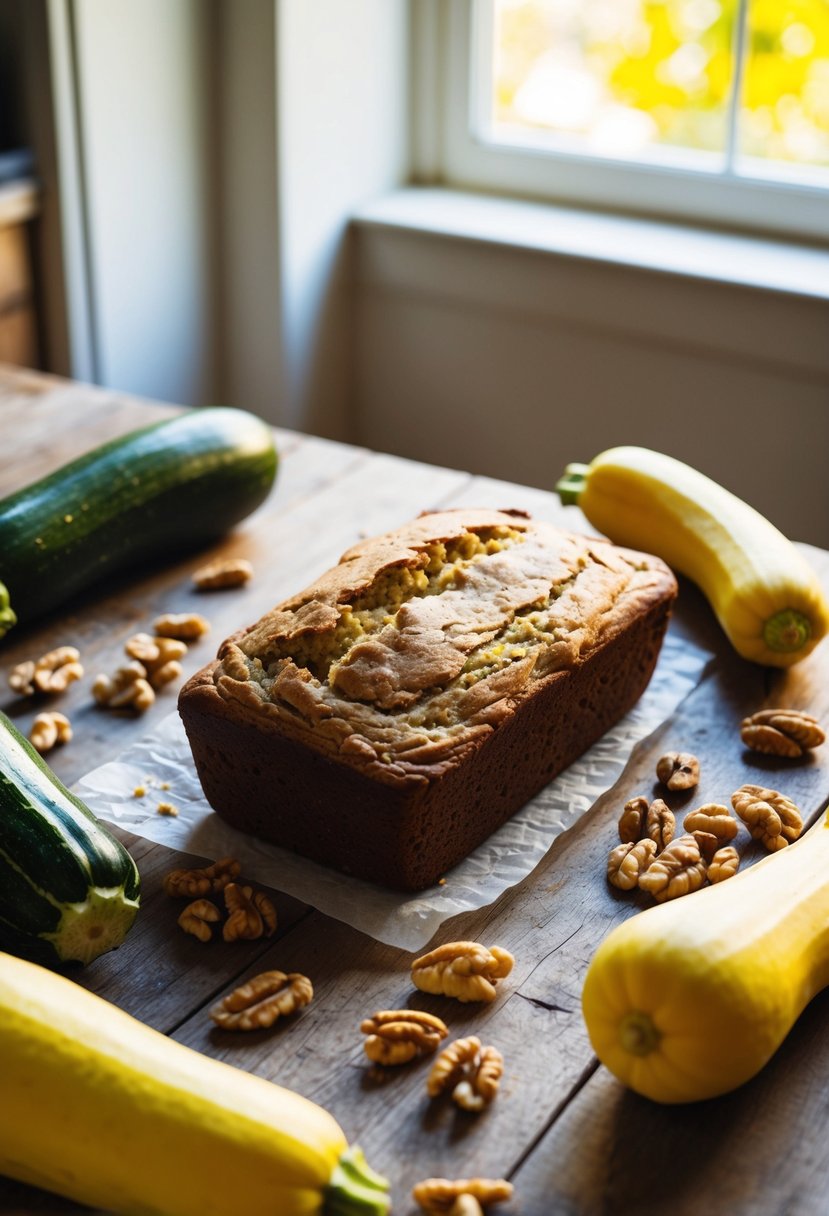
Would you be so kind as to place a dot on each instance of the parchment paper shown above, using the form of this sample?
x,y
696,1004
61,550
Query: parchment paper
x,y
408,922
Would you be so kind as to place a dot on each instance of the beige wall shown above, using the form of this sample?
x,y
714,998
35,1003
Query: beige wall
x,y
512,364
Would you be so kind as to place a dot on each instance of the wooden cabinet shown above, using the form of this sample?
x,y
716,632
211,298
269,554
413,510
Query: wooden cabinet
x,y
18,320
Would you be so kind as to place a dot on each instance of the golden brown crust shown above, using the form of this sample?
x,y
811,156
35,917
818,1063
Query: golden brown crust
x,y
397,704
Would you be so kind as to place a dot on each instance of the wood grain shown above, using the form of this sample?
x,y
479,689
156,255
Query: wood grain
x,y
566,1133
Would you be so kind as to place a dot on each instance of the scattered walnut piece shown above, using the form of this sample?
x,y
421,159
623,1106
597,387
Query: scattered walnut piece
x,y
185,626
724,864
632,820
781,732
55,671
211,879
51,673
678,870
661,824
438,1195
449,1066
464,970
771,817
21,678
128,688
197,918
627,861
714,819
50,729
160,656
678,770
251,914
230,572
396,1036
470,1071
257,1004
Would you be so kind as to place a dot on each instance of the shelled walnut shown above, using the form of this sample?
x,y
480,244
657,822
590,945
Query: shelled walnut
x,y
467,971
439,1195
678,770
678,870
397,1036
770,816
627,861
714,819
724,864
185,626
471,1072
781,732
223,573
633,819
197,918
128,688
251,914
209,880
264,999
159,656
660,824
48,730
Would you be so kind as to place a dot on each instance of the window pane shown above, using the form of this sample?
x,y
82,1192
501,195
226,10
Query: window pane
x,y
784,115
634,79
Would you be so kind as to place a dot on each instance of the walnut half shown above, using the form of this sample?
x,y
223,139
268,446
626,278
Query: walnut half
x,y
467,971
257,1004
678,870
396,1036
781,732
440,1195
771,817
678,770
470,1071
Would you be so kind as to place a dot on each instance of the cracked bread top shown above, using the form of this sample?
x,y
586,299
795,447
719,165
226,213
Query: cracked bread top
x,y
419,642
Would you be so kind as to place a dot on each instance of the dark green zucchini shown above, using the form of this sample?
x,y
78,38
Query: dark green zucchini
x,y
68,888
167,487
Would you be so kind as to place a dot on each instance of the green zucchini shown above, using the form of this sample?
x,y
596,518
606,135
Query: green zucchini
x,y
167,487
68,889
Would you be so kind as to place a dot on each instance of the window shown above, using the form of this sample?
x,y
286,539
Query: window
x,y
714,110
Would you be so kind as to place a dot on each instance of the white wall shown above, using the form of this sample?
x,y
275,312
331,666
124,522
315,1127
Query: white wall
x,y
514,362
343,114
144,165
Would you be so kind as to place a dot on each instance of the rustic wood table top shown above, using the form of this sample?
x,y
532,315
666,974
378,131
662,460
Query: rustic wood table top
x,y
568,1136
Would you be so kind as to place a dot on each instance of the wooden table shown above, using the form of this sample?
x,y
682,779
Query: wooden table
x,y
569,1137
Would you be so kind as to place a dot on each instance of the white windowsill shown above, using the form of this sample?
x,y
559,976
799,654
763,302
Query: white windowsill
x,y
756,262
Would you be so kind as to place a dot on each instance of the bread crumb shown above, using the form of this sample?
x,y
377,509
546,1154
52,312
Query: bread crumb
x,y
441,882
139,791
165,785
167,808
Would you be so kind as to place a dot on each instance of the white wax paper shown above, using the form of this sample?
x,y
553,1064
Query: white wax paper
x,y
406,921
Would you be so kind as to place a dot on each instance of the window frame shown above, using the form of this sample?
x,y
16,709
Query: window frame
x,y
450,150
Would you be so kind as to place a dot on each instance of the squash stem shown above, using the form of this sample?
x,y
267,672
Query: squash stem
x,y
355,1189
637,1034
787,631
7,614
572,483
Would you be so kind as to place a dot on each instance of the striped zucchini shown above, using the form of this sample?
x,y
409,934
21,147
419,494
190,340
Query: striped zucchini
x,y
170,486
68,889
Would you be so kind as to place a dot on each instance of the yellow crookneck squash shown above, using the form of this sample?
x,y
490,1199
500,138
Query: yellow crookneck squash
x,y
765,595
690,999
102,1109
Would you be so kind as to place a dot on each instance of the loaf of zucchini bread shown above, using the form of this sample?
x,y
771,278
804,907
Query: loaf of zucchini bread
x,y
391,716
